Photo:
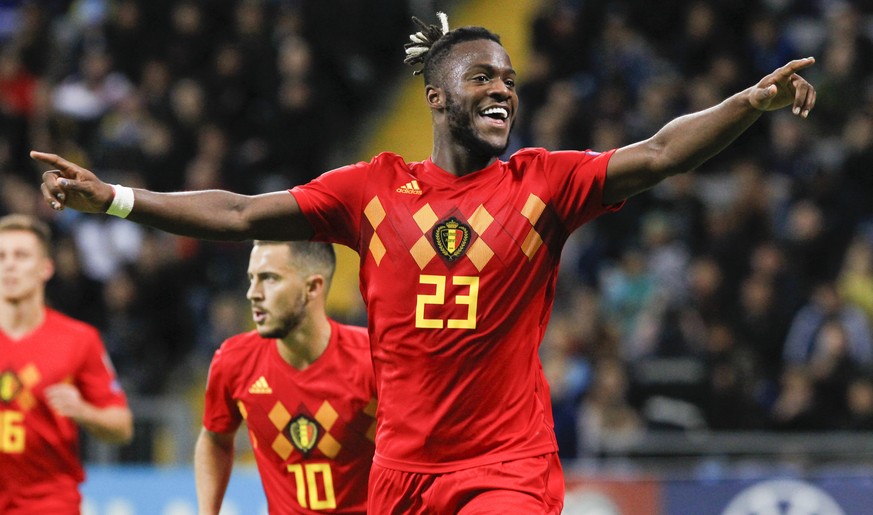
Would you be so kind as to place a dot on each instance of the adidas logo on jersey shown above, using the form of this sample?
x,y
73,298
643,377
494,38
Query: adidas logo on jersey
x,y
410,188
260,386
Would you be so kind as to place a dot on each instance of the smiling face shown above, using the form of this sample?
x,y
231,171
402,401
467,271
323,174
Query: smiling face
x,y
480,101
278,293
24,266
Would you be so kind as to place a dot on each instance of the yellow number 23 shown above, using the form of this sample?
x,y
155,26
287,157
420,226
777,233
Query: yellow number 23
x,y
438,297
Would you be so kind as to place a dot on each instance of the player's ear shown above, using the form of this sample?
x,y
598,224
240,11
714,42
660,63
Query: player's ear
x,y
315,285
48,269
436,97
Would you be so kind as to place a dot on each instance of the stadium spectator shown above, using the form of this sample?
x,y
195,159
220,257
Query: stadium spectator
x,y
435,262
607,421
302,383
56,377
824,306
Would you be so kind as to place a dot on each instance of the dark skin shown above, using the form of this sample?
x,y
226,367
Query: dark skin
x,y
477,77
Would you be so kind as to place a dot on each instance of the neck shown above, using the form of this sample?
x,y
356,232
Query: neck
x,y
457,159
21,317
306,343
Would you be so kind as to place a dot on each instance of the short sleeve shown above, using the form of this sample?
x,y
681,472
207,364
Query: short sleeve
x,y
332,203
577,180
220,413
96,378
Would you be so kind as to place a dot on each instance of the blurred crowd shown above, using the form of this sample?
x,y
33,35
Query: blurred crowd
x,y
246,95
735,298
738,297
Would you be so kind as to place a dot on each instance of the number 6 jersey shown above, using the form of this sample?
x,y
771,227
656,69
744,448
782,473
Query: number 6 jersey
x,y
458,274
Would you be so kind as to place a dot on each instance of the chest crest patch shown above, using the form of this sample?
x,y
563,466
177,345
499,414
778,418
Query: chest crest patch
x,y
10,385
304,433
451,238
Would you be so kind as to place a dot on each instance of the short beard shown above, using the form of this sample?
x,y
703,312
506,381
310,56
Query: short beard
x,y
288,323
461,128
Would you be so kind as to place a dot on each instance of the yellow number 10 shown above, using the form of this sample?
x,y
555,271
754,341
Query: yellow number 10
x,y
439,298
307,482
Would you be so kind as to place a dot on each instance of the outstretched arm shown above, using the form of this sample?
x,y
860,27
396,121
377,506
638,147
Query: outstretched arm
x,y
688,141
213,462
209,214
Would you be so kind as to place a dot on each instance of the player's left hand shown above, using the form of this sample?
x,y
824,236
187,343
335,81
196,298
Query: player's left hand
x,y
785,87
65,399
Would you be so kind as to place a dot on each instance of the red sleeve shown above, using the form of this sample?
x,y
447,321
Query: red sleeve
x,y
332,203
220,412
96,379
576,180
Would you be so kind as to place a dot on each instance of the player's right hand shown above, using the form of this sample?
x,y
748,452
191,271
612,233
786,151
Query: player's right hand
x,y
70,185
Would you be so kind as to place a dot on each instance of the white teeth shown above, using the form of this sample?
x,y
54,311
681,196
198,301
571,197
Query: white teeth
x,y
500,111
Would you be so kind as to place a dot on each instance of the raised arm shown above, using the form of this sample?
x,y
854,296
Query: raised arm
x,y
208,214
688,141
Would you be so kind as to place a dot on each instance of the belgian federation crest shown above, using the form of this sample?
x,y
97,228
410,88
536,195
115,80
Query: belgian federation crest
x,y
304,433
10,385
451,238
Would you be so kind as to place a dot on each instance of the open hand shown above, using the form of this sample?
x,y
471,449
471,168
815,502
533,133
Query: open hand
x,y
785,87
70,185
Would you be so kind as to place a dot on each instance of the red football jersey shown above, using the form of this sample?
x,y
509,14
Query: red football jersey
x,y
458,274
39,449
312,430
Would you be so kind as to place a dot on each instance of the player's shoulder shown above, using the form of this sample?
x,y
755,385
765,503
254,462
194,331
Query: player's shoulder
x,y
69,326
552,159
353,336
385,158
241,344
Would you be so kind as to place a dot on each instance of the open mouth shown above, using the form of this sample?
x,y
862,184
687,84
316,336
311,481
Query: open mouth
x,y
498,114
258,315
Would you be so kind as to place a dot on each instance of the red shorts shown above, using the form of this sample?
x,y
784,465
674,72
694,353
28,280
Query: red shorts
x,y
527,485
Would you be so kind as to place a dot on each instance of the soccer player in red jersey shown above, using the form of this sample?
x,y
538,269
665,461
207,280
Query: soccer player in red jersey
x,y
459,258
55,375
304,386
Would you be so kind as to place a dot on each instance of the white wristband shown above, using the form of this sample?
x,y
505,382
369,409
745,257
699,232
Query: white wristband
x,y
122,204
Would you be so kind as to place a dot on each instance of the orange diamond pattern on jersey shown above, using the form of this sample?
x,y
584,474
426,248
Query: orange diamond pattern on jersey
x,y
377,248
326,415
29,375
422,252
375,213
329,445
480,220
279,416
532,210
371,408
480,253
282,446
425,218
531,244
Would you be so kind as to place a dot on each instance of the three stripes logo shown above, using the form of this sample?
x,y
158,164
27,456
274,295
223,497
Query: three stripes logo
x,y
260,386
410,188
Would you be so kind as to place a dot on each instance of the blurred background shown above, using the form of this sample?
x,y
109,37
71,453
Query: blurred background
x,y
711,344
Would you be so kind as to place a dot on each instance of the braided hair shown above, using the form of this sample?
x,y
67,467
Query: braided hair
x,y
432,43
